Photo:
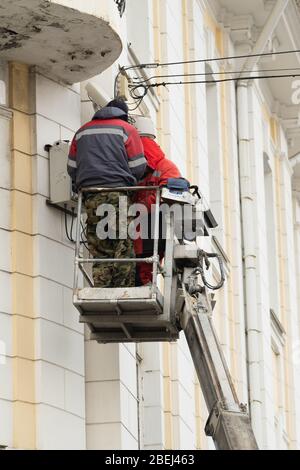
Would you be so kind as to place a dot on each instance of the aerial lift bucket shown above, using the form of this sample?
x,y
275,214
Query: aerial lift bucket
x,y
129,314
160,311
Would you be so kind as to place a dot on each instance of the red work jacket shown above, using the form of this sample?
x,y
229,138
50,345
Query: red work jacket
x,y
162,170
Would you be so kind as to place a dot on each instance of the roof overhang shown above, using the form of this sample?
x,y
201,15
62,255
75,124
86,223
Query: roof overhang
x,y
245,22
62,42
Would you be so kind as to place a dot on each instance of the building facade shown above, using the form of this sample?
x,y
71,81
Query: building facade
x,y
238,140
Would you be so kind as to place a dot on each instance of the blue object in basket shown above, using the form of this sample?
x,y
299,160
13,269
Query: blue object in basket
x,y
178,185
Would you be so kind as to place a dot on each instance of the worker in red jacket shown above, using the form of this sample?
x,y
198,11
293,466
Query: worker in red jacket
x,y
159,170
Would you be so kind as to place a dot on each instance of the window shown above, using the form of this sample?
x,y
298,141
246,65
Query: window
x,y
271,235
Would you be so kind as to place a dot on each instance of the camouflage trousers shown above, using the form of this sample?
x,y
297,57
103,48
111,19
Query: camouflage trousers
x,y
109,274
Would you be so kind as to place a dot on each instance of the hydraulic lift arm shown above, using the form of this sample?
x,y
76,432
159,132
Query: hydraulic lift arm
x,y
138,314
228,423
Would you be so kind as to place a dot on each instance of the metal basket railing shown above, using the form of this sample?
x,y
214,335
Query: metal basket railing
x,y
80,261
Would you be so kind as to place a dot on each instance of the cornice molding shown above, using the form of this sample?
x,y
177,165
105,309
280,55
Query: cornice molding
x,y
290,120
296,4
241,28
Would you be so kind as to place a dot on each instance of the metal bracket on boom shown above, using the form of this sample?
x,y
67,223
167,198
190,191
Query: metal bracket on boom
x,y
228,423
230,430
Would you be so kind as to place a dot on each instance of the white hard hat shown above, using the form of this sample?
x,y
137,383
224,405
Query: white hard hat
x,y
144,126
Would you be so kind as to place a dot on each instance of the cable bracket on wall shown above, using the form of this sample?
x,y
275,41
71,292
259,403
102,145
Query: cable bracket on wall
x,y
121,4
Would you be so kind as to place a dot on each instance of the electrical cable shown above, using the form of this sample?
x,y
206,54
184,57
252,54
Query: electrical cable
x,y
204,257
140,82
138,104
197,61
136,86
66,224
69,235
83,232
156,85
72,223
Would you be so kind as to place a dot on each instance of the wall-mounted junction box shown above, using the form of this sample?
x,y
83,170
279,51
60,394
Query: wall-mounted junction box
x,y
60,182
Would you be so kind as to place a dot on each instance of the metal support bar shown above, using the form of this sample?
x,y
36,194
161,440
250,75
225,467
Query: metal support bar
x,y
126,330
77,241
156,237
119,189
232,429
169,273
61,209
111,301
116,260
208,357
85,274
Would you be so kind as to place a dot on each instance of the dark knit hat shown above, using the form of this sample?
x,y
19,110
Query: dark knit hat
x,y
118,103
